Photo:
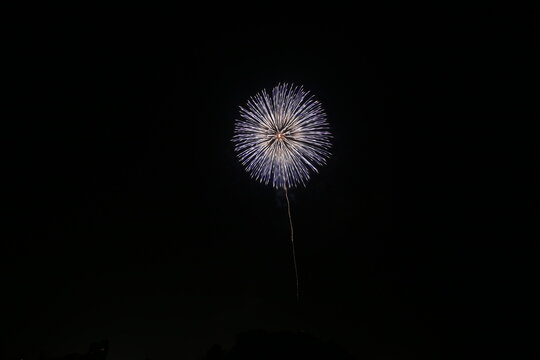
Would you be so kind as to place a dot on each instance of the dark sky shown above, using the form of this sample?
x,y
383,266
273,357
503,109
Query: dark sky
x,y
135,222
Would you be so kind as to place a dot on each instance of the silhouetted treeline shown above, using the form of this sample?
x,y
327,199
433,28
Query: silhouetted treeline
x,y
254,344
97,351
262,345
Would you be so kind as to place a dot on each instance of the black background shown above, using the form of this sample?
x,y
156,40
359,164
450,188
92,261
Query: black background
x,y
135,222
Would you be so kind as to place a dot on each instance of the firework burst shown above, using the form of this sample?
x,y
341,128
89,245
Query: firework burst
x,y
282,137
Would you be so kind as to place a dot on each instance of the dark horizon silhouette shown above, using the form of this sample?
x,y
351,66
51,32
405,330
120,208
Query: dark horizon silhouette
x,y
97,351
262,344
252,344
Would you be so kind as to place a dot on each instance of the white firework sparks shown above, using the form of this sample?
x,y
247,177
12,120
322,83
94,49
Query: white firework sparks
x,y
281,138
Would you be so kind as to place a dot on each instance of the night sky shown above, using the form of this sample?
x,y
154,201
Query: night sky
x,y
135,222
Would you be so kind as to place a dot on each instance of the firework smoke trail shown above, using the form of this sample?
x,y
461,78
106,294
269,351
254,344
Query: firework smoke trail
x,y
293,252
281,138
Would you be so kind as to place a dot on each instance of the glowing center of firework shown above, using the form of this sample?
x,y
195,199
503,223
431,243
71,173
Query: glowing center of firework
x,y
280,136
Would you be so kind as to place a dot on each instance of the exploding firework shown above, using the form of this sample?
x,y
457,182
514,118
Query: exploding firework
x,y
281,138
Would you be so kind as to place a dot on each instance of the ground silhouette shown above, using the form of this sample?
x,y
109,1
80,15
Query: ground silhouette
x,y
262,345
97,351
